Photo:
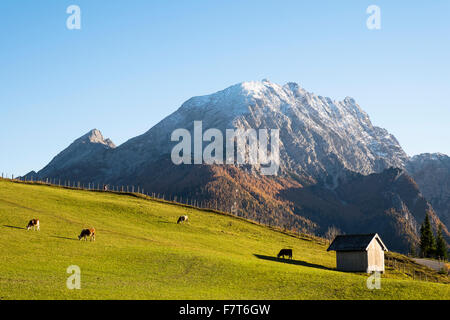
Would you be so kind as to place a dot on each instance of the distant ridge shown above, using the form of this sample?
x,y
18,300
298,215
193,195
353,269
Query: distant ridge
x,y
431,171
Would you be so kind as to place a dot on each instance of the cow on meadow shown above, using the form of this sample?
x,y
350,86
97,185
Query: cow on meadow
x,y
87,233
285,252
182,219
34,223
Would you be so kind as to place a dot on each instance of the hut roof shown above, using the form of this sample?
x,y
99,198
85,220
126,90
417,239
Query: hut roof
x,y
355,242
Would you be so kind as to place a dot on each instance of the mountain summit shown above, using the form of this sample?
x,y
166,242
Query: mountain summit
x,y
320,137
83,157
95,136
327,147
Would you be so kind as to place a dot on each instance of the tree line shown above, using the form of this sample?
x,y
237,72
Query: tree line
x,y
431,246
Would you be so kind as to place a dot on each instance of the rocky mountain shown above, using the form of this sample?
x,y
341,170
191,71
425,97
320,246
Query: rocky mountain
x,y
388,202
320,138
432,174
81,159
326,148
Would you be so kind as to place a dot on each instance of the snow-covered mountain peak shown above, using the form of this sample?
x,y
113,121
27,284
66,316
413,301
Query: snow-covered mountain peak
x,y
237,100
318,135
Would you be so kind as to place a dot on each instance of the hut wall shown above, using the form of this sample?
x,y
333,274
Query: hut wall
x,y
353,261
375,257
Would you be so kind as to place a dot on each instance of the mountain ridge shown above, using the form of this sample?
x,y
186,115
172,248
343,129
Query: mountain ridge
x,y
431,171
323,143
316,116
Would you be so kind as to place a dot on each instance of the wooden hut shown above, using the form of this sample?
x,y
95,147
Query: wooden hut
x,y
359,252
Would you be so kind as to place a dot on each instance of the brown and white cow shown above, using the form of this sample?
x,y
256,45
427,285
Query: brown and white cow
x,y
182,219
34,223
87,233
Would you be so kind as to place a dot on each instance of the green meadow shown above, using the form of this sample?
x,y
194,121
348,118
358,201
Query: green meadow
x,y
141,252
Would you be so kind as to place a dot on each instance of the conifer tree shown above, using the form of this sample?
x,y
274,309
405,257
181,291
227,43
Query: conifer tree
x,y
427,241
441,245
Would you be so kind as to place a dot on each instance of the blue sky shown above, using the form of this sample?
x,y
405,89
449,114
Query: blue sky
x,y
135,62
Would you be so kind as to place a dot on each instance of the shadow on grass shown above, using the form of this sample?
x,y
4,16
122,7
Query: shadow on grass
x,y
64,238
169,222
14,227
295,262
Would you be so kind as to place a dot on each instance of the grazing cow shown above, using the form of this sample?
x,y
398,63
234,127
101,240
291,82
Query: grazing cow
x,y
87,233
182,219
285,252
34,223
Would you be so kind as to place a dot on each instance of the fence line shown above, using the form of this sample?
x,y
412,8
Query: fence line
x,y
213,205
195,204
410,271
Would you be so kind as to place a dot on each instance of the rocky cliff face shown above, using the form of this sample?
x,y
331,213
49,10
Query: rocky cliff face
x,y
388,202
85,157
320,138
334,163
432,174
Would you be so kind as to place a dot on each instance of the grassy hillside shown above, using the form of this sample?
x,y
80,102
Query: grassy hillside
x,y
141,253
